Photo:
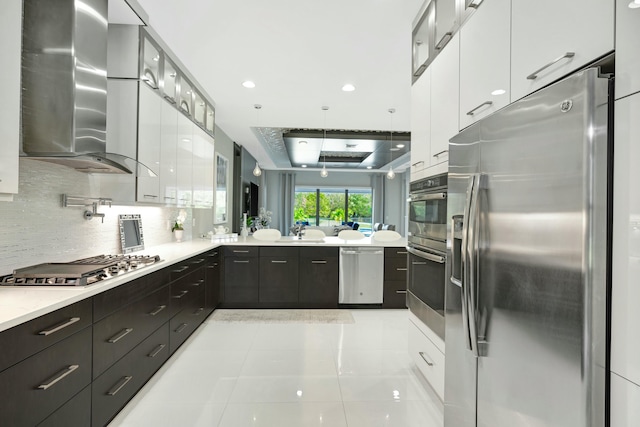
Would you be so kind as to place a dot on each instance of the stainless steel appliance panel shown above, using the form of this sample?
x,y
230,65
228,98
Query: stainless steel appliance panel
x,y
531,310
361,275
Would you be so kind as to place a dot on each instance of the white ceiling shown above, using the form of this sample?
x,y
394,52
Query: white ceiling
x,y
299,53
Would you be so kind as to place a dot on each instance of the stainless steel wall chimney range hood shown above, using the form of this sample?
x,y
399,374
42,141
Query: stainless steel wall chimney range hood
x,y
64,86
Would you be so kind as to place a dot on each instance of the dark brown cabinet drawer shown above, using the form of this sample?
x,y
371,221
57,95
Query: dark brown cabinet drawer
x,y
241,251
395,294
278,251
184,323
278,279
182,268
241,280
22,341
182,290
114,299
395,268
213,280
319,252
399,252
34,388
114,388
116,335
74,413
319,280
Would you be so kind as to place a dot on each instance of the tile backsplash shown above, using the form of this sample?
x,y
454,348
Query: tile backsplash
x,y
35,228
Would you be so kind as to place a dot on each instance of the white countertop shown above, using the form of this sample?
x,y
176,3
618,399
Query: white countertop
x,y
19,304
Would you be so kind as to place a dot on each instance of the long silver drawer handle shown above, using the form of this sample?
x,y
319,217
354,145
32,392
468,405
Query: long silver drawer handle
x,y
123,382
417,163
198,283
157,350
401,292
418,263
181,269
180,328
150,196
198,311
534,75
472,112
240,261
199,261
318,262
425,359
170,198
444,40
213,254
401,269
235,251
57,377
123,333
274,261
62,325
158,310
183,293
401,252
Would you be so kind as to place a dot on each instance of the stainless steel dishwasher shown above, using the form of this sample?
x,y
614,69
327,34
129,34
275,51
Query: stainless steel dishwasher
x,y
361,275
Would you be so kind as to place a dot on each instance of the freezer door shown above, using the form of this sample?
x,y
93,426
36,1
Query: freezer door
x,y
540,259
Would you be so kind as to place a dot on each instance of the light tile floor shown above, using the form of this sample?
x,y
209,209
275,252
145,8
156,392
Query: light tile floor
x,y
290,375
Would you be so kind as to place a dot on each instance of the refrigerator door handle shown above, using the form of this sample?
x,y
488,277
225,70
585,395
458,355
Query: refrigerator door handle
x,y
472,265
464,256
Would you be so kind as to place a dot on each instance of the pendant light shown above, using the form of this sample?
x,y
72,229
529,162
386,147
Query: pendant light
x,y
257,171
324,172
391,174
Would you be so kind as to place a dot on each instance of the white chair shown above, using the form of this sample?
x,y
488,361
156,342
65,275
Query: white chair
x,y
351,235
313,235
386,236
267,234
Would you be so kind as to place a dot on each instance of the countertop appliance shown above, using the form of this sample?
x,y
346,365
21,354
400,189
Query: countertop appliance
x,y
526,299
427,251
82,272
361,275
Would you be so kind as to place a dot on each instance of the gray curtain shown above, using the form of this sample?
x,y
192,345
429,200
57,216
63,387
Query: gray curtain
x,y
286,199
377,188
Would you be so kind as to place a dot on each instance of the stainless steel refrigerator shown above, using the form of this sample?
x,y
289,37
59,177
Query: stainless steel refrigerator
x,y
526,341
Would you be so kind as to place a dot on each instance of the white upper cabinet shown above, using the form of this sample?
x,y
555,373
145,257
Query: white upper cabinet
x,y
184,160
445,22
10,45
485,61
445,100
149,137
627,49
203,152
168,151
420,124
551,38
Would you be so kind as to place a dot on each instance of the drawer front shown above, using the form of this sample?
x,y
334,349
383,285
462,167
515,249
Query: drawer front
x,y
114,299
278,251
24,340
395,294
395,252
183,290
116,335
241,280
113,389
319,252
182,268
34,388
395,268
427,358
74,413
241,251
319,282
184,323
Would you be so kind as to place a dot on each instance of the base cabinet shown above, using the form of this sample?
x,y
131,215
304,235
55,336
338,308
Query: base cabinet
x,y
395,278
428,358
319,277
278,275
74,413
241,276
212,280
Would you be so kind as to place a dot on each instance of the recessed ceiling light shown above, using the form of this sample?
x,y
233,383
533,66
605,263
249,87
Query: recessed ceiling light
x,y
498,92
400,145
369,167
248,84
304,166
302,142
348,87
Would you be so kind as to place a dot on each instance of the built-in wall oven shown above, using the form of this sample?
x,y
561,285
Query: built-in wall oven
x,y
427,243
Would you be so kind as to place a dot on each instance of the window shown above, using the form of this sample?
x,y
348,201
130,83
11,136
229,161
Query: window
x,y
333,206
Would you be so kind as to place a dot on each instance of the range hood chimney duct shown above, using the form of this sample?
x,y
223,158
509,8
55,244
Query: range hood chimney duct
x,y
64,86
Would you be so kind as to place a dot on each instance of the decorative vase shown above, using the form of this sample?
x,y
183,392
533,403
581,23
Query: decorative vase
x,y
178,235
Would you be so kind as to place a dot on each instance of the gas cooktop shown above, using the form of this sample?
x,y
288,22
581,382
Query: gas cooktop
x,y
82,272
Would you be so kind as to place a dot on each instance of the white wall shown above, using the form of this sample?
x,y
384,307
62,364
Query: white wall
x,y
36,228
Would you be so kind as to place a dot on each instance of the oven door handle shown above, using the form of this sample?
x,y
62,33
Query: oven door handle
x,y
426,255
428,196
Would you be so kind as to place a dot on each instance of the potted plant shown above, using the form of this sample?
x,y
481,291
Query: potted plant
x,y
178,229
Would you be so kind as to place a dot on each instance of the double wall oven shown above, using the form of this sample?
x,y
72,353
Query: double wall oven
x,y
427,244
